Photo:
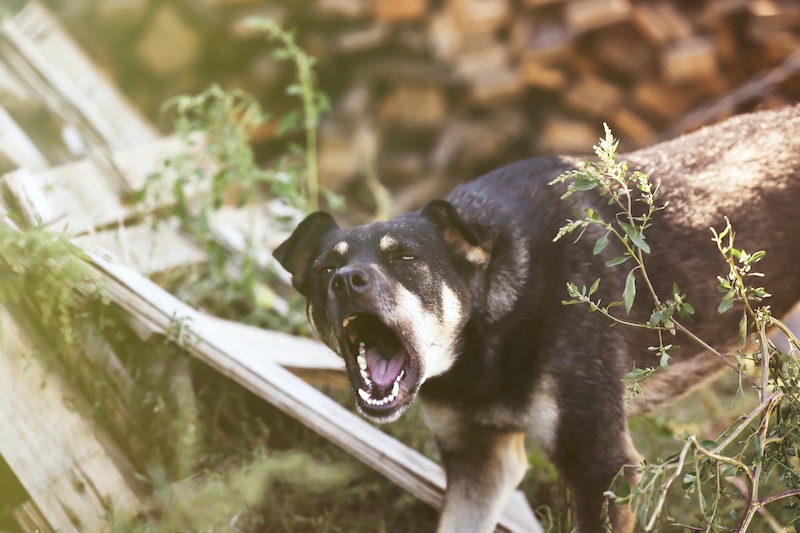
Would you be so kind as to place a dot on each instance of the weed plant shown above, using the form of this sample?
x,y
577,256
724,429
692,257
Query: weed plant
x,y
747,478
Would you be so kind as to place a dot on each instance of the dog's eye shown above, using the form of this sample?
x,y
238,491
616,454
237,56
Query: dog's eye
x,y
325,270
403,256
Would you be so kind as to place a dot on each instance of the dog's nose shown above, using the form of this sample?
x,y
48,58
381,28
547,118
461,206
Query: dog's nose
x,y
350,281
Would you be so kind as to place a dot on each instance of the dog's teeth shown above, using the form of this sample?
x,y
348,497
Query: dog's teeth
x,y
367,397
347,320
365,377
400,377
362,350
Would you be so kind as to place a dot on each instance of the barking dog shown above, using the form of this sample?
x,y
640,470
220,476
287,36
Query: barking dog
x,y
459,304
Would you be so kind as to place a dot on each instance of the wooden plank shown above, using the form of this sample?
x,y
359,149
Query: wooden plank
x,y
147,249
756,87
72,473
564,135
690,60
289,351
43,57
593,96
77,197
347,9
137,163
632,126
660,22
30,519
306,358
540,74
254,229
16,147
623,50
476,17
155,310
393,11
60,60
540,37
585,15
414,105
659,100
484,62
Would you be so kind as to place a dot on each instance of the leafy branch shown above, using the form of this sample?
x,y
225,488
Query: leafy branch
x,y
759,447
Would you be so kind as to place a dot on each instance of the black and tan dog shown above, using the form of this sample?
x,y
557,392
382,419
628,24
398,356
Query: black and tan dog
x,y
460,304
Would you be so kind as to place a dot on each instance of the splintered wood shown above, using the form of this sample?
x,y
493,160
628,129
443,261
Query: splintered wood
x,y
74,475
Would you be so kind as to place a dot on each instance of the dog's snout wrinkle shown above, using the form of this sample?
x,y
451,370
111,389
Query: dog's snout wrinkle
x,y
350,281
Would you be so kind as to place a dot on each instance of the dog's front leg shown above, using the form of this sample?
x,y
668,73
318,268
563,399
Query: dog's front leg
x,y
483,466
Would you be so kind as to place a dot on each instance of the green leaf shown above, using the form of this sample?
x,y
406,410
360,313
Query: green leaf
x,y
622,491
629,294
617,260
656,317
638,240
743,330
664,362
629,229
583,184
290,122
595,285
636,236
726,303
601,244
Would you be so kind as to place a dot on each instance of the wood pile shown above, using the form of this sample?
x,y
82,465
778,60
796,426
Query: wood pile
x,y
434,92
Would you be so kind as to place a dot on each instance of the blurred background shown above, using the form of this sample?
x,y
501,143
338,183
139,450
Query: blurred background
x,y
420,95
427,93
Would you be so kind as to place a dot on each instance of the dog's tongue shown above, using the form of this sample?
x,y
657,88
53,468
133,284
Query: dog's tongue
x,y
384,371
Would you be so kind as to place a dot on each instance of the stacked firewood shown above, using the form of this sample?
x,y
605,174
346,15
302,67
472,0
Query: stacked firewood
x,y
426,93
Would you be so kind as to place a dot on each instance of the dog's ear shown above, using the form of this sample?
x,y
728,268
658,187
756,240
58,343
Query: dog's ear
x,y
469,241
296,253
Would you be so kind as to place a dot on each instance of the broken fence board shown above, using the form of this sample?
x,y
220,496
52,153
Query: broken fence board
x,y
80,198
287,350
147,249
152,307
15,145
72,474
64,65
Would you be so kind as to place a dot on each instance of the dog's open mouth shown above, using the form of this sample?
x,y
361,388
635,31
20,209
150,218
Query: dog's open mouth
x,y
382,370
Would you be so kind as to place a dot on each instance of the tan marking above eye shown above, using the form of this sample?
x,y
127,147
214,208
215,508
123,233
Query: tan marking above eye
x,y
341,247
388,243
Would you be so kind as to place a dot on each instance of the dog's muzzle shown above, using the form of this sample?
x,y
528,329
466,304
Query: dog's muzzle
x,y
382,366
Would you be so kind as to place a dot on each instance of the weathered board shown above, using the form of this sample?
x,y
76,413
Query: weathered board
x,y
52,62
73,475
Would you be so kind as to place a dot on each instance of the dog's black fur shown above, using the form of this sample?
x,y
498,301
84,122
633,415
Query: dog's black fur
x,y
460,303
